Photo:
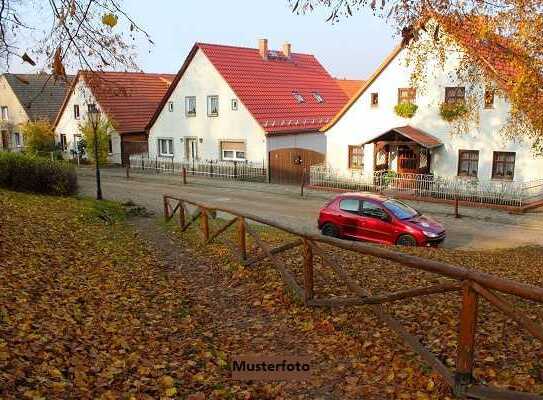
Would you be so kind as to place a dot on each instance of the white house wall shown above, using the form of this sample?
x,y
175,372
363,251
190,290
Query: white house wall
x,y
201,79
309,141
69,125
16,115
363,122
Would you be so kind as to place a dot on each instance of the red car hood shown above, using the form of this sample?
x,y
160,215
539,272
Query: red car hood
x,y
425,223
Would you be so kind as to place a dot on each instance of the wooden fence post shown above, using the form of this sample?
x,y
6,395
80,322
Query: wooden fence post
x,y
308,272
166,206
303,182
128,170
204,223
456,214
466,339
181,214
242,238
184,173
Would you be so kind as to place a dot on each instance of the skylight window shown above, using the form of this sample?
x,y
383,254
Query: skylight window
x,y
298,97
318,97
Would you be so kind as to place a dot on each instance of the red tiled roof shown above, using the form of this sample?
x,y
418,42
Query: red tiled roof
x,y
265,87
128,98
414,134
350,86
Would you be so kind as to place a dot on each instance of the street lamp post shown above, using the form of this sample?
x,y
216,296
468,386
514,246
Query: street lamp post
x,y
94,117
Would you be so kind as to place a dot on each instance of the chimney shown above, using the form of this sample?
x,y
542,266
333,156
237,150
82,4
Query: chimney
x,y
286,49
263,48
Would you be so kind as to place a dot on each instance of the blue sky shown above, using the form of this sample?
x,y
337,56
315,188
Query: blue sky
x,y
352,48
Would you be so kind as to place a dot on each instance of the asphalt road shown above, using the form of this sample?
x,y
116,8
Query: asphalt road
x,y
478,229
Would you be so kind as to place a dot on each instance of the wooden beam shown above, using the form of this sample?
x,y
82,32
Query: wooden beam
x,y
275,250
485,392
194,217
222,229
392,323
287,277
308,272
501,304
181,214
351,284
388,297
242,237
466,339
204,223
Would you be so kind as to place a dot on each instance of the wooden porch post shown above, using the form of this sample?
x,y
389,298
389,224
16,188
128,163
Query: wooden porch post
x,y
308,272
242,238
166,207
466,339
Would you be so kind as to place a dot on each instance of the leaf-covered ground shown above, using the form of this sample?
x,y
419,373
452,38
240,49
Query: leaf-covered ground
x,y
92,306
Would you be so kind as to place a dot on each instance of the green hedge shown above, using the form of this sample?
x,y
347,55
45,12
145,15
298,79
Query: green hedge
x,y
27,173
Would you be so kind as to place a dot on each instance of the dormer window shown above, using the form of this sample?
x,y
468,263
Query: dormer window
x,y
298,97
318,98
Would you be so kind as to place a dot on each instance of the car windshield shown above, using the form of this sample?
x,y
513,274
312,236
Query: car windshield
x,y
399,209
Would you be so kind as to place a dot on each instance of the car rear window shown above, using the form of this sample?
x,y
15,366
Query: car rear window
x,y
349,205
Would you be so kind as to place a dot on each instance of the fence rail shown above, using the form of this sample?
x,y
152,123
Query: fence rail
x,y
472,284
505,193
220,169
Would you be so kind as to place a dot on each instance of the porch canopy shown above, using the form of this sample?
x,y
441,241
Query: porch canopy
x,y
410,147
403,135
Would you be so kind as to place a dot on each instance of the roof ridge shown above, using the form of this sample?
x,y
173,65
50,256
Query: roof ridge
x,y
246,48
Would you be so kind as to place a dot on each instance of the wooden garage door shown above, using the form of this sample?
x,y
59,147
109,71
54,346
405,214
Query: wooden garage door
x,y
285,169
133,144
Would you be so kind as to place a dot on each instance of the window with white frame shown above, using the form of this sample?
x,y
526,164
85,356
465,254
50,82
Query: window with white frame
x,y
190,106
76,111
170,106
212,106
63,142
17,139
92,108
4,113
165,147
233,151
234,104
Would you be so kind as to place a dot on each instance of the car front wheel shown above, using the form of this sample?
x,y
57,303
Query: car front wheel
x,y
406,240
330,230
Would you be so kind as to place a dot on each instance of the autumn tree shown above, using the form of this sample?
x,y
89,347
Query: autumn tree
x,y
508,47
53,35
39,137
97,128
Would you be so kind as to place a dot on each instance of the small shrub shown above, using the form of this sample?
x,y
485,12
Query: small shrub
x,y
451,111
28,173
405,110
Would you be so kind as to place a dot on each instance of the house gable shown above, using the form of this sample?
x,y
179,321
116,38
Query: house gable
x,y
16,112
199,78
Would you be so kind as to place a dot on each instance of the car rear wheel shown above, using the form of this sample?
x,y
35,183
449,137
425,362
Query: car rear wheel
x,y
330,230
406,240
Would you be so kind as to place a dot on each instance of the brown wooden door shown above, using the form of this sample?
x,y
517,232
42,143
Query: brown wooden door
x,y
408,160
132,144
287,165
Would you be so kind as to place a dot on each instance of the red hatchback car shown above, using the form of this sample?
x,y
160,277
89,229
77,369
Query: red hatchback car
x,y
379,219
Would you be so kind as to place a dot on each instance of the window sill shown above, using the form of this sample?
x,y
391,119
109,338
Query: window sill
x,y
166,155
501,179
212,115
190,115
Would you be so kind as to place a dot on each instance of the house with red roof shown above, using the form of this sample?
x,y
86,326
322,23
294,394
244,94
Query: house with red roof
x,y
127,99
247,105
369,134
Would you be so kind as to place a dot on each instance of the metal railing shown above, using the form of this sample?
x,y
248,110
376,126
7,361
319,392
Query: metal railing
x,y
504,193
470,283
220,169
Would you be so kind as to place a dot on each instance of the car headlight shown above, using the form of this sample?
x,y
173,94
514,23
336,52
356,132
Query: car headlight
x,y
430,234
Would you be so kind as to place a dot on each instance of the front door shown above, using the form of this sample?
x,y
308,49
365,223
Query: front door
x,y
191,149
408,160
5,140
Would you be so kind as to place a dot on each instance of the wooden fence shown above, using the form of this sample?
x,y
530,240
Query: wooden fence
x,y
472,284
